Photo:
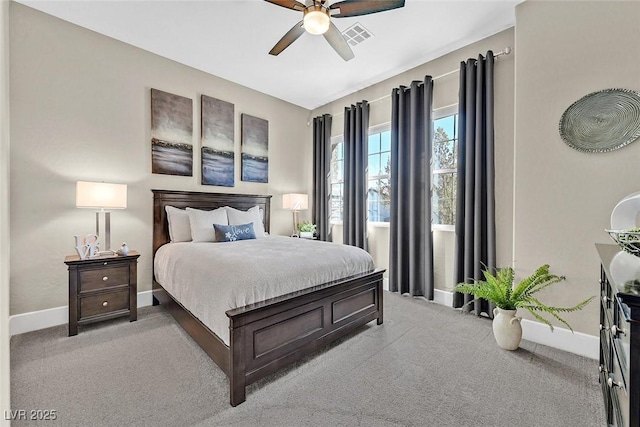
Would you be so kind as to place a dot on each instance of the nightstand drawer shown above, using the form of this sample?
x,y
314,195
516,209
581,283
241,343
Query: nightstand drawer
x,y
100,278
104,303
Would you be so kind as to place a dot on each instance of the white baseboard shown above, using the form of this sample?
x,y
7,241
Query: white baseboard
x,y
35,320
443,297
562,339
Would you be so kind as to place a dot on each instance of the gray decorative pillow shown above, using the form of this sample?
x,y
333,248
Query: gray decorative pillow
x,y
231,233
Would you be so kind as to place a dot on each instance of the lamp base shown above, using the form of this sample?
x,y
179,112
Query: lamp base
x,y
295,224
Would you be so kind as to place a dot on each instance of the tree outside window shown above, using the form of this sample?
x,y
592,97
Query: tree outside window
x,y
444,169
378,174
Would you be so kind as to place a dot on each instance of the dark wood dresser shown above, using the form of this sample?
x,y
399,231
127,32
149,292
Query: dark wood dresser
x,y
620,335
102,288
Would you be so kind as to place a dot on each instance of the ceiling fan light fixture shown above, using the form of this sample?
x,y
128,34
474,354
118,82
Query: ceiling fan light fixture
x,y
316,19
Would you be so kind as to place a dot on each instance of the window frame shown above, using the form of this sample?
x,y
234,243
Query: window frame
x,y
440,113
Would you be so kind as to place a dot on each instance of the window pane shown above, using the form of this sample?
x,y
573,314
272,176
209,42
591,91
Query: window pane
x,y
374,143
378,200
385,163
444,198
444,152
385,141
374,165
336,202
339,151
447,124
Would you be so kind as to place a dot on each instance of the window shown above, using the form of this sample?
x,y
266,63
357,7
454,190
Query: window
x,y
444,169
337,178
379,162
378,172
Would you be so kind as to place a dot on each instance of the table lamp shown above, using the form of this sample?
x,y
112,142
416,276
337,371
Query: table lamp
x,y
295,202
102,196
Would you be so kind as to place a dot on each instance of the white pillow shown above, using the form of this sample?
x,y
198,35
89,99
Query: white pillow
x,y
237,217
179,227
202,223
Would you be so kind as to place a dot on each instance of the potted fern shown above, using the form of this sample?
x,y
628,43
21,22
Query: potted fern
x,y
507,298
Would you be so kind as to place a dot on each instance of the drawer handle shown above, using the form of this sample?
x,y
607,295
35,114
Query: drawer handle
x,y
105,278
615,330
104,263
611,383
104,304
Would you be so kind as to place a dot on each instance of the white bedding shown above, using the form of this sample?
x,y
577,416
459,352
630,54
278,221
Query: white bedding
x,y
210,278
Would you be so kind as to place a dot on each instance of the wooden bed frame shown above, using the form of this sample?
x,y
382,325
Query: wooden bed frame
x,y
266,336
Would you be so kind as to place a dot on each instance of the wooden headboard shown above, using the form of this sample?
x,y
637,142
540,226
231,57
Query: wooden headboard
x,y
203,201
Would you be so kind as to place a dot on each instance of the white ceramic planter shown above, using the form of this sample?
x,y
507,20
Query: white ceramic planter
x,y
306,234
506,328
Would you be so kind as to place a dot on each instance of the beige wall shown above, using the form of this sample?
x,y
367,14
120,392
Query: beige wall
x,y
445,94
80,111
4,210
563,198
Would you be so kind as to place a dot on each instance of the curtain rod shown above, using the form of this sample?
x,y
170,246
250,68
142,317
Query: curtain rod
x,y
507,50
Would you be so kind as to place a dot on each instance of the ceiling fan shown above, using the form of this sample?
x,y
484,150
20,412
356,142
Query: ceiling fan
x,y
317,16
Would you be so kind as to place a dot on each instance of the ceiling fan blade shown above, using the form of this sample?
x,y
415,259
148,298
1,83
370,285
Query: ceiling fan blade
x,y
364,7
338,43
291,36
289,4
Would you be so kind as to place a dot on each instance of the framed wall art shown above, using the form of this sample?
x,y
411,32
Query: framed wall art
x,y
218,151
255,149
171,134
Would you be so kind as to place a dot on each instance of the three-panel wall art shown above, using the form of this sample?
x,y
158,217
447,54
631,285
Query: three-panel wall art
x,y
172,140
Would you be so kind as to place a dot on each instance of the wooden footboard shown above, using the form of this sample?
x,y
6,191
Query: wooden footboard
x,y
272,334
267,336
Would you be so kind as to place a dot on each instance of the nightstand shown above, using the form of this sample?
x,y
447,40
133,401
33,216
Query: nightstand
x,y
102,288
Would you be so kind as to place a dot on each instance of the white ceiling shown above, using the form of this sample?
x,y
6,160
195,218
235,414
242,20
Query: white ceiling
x,y
231,39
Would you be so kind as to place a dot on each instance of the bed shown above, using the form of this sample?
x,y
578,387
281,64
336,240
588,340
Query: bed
x,y
267,335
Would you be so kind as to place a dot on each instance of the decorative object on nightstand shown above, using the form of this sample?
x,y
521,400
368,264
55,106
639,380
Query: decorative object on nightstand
x,y
102,288
87,246
101,196
507,298
295,202
306,229
124,249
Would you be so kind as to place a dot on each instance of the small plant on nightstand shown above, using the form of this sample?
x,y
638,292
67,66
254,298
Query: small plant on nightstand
x,y
306,229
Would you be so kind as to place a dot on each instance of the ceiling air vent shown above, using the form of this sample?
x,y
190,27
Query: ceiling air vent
x,y
356,34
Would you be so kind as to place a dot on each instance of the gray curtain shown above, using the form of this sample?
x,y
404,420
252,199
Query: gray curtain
x,y
356,135
410,237
321,180
475,208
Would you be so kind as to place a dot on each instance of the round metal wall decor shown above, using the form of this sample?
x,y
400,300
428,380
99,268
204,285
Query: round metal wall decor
x,y
602,121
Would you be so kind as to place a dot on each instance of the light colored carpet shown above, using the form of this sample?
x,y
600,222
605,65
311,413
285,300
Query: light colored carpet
x,y
427,365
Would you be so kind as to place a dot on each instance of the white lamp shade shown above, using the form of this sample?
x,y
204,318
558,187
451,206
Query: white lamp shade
x,y
101,195
295,202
